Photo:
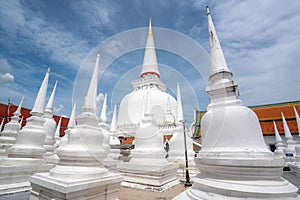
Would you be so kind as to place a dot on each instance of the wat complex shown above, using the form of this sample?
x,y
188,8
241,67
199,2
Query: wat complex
x,y
230,152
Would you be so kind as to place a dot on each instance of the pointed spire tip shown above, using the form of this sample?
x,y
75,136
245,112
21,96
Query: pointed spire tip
x,y
150,27
207,10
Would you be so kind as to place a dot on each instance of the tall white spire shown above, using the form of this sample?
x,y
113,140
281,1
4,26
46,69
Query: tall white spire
x,y
179,114
277,136
298,120
103,111
217,59
150,62
49,105
221,87
57,131
90,98
113,125
18,111
72,122
287,132
39,103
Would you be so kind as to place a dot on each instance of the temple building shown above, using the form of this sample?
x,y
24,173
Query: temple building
x,y
162,104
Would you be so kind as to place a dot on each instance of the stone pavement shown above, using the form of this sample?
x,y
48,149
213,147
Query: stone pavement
x,y
134,194
293,178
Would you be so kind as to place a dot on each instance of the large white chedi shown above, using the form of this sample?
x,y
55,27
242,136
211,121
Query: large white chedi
x,y
131,107
80,173
234,161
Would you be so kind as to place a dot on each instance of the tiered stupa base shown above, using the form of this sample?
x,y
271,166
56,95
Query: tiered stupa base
x,y
181,171
153,177
75,182
6,141
15,173
112,159
243,178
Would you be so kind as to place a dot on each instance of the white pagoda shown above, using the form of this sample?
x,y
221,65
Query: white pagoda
x,y
234,162
10,131
80,173
131,107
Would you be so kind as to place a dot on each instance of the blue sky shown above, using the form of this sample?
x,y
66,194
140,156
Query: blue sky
x,y
260,39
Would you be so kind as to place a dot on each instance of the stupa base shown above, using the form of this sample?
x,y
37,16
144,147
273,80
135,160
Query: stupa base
x,y
112,159
15,173
181,172
151,176
53,159
295,169
150,187
212,189
46,186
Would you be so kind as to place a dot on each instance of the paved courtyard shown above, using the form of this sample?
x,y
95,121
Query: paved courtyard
x,y
134,194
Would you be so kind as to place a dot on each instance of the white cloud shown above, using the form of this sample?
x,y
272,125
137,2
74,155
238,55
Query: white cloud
x,y
37,35
100,97
98,14
56,110
5,75
261,45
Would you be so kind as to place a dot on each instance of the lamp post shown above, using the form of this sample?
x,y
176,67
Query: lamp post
x,y
187,175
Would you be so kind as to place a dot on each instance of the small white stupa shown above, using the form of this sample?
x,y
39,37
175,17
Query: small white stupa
x,y
49,125
103,125
53,158
80,173
148,168
25,157
298,124
289,150
57,133
279,145
295,167
177,146
10,131
70,126
31,138
234,161
103,115
114,143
